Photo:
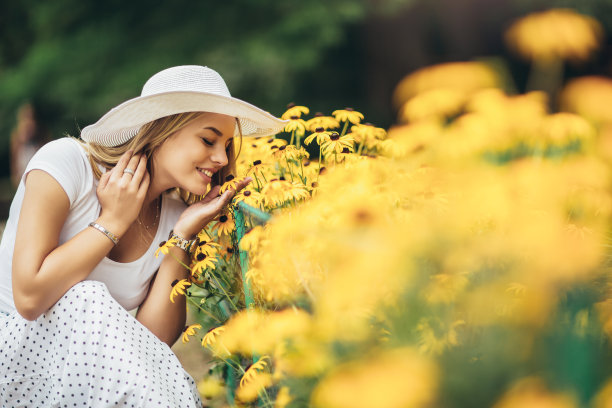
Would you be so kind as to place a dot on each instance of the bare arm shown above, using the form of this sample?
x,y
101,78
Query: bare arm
x,y
164,318
43,271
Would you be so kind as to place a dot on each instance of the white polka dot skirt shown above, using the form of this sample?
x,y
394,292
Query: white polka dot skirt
x,y
87,351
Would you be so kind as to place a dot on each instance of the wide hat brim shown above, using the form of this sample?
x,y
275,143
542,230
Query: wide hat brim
x,y
122,122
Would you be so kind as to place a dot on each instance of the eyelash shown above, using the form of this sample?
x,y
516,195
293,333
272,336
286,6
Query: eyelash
x,y
209,143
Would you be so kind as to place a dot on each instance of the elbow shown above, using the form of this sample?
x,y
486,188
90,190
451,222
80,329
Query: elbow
x,y
27,307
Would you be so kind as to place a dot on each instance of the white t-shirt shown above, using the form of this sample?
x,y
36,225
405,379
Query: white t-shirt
x,y
67,162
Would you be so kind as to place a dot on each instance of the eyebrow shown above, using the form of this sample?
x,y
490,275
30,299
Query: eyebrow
x,y
215,130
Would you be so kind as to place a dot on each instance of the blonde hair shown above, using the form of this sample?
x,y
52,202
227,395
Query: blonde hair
x,y
151,136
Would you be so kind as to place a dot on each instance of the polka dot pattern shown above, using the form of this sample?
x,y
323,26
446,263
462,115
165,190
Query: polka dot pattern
x,y
88,351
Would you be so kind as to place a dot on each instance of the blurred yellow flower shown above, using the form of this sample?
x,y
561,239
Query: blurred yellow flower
x,y
230,183
531,393
249,391
368,134
435,341
210,387
463,77
295,110
338,144
276,192
348,115
394,379
283,398
437,103
590,97
250,197
319,120
555,34
190,331
165,246
210,338
563,128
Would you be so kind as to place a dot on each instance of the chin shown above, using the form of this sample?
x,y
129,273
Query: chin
x,y
196,188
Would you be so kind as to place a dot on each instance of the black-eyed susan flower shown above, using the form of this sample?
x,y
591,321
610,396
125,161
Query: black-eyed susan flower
x,y
190,331
230,182
348,115
283,398
298,191
275,192
203,262
178,288
296,125
251,389
295,110
250,197
319,120
250,240
320,134
225,224
210,387
165,246
211,337
337,143
255,167
209,248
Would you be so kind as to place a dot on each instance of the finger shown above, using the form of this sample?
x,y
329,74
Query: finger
x,y
141,169
104,179
132,165
144,185
212,194
121,164
243,183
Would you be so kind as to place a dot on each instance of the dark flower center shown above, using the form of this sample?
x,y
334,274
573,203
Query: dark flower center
x,y
368,124
274,147
282,148
202,243
319,130
315,184
281,178
247,193
318,114
161,244
270,140
256,162
174,282
294,117
349,109
334,136
223,218
346,150
253,145
290,105
201,257
322,170
229,177
306,163
230,250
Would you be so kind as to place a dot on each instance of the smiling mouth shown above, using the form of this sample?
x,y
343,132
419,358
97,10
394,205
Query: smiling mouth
x,y
206,172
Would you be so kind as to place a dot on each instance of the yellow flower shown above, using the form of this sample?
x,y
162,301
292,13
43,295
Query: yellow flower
x,y
250,197
210,387
290,152
368,134
295,110
436,103
296,125
562,128
250,390
555,34
589,97
203,262
210,338
283,398
338,144
436,341
165,246
298,192
254,369
326,122
206,247
466,77
531,392
190,331
255,167
394,379
347,115
320,134
250,240
230,183
225,224
178,288
275,192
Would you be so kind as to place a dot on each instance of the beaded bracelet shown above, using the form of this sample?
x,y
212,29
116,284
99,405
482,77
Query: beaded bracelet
x,y
106,232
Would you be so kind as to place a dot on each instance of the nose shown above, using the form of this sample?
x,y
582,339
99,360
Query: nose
x,y
219,156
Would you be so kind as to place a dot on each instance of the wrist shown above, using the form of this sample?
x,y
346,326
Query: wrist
x,y
113,226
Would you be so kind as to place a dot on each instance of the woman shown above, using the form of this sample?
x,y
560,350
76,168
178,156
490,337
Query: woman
x,y
78,249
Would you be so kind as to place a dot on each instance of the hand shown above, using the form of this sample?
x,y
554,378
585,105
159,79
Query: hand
x,y
121,194
196,216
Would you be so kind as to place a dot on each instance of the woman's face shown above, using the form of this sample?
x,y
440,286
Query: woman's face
x,y
191,156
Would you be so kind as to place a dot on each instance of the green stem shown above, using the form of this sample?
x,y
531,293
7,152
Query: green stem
x,y
289,167
224,292
203,310
344,128
292,137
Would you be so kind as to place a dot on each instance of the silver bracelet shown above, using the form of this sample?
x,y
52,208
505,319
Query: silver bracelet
x,y
106,232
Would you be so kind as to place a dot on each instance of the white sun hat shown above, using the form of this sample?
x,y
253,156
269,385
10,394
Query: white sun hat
x,y
186,88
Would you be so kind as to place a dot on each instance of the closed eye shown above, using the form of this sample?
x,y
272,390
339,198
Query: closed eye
x,y
208,142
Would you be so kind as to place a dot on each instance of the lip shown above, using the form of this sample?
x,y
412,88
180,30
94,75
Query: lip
x,y
204,176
